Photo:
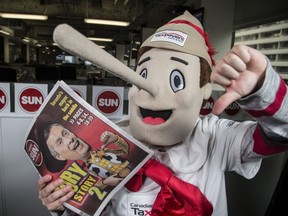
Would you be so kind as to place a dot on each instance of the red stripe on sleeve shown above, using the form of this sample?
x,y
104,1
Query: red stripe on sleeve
x,y
263,147
273,107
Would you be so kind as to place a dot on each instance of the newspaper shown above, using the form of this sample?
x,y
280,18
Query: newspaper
x,y
70,139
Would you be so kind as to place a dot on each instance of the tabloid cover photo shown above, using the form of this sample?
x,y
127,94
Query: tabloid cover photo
x,y
70,139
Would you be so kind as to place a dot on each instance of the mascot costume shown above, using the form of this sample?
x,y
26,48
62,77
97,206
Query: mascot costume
x,y
172,79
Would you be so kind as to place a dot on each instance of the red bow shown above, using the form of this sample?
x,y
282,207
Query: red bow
x,y
176,197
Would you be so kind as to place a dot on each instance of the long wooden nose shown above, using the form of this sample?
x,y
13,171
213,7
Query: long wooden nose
x,y
74,42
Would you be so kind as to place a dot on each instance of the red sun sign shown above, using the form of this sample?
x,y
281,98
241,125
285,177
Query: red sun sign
x,y
232,109
30,99
108,102
207,107
3,99
77,92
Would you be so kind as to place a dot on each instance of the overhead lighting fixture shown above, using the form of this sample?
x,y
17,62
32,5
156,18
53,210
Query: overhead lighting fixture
x,y
100,39
26,39
23,16
7,31
4,32
106,22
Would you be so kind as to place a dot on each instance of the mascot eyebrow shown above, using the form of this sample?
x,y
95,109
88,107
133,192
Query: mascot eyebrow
x,y
179,60
172,58
144,60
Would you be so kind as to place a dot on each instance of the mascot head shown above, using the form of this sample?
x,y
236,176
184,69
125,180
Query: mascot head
x,y
176,60
171,81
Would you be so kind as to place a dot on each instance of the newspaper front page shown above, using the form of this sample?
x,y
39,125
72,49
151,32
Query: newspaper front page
x,y
70,139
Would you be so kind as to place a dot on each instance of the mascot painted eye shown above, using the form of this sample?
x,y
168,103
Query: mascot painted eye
x,y
144,73
177,80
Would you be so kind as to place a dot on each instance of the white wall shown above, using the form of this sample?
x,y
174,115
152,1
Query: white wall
x,y
218,23
18,186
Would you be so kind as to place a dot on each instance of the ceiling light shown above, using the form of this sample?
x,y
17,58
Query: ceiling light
x,y
106,22
23,16
4,32
7,31
100,39
26,39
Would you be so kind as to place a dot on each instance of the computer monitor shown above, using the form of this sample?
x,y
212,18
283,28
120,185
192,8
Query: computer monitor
x,y
46,73
8,74
67,72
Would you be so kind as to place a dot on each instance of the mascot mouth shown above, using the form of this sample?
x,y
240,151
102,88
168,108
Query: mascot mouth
x,y
155,117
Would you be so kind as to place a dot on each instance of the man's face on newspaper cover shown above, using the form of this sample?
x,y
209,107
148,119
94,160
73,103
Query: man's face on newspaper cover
x,y
65,145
